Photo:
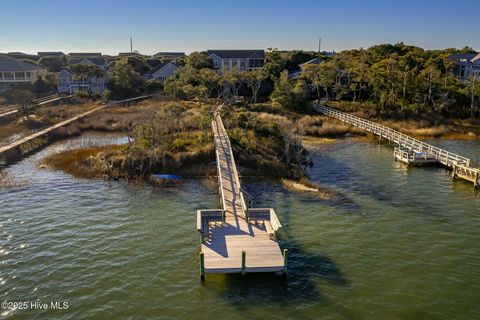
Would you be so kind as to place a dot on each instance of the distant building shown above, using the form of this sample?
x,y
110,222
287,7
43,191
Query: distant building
x,y
68,83
85,54
467,65
14,72
51,54
162,72
241,60
310,62
169,54
96,61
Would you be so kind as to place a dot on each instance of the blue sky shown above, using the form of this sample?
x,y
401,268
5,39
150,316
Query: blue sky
x,y
188,25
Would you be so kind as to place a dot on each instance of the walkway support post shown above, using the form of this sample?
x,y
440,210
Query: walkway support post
x,y
202,266
285,261
244,258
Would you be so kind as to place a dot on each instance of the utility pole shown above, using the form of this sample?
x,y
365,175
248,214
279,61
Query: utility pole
x,y
131,45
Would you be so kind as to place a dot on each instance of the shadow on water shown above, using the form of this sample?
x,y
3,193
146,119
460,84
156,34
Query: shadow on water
x,y
305,271
333,172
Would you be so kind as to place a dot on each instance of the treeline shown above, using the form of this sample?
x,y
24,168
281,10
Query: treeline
x,y
396,80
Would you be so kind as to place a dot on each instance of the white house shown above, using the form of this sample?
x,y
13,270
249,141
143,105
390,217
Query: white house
x,y
13,72
240,60
162,71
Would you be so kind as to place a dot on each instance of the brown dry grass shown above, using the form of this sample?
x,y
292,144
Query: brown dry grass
x,y
79,162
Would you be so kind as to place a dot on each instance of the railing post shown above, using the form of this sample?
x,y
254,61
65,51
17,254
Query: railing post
x,y
202,266
244,258
285,261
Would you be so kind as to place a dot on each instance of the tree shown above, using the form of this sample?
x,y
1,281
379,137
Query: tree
x,y
233,80
125,79
24,98
321,76
199,60
253,79
210,80
52,63
289,94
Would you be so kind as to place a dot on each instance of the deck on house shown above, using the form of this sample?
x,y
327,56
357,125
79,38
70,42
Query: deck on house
x,y
236,239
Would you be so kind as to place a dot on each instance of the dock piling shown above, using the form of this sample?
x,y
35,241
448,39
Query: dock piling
x,y
244,258
285,261
202,266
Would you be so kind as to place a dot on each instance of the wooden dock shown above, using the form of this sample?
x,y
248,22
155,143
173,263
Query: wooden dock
x,y
8,112
14,151
410,150
236,239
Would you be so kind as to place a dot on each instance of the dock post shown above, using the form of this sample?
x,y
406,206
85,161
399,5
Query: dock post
x,y
475,181
202,266
285,261
453,172
244,258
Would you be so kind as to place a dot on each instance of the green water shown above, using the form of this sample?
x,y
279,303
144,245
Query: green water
x,y
395,243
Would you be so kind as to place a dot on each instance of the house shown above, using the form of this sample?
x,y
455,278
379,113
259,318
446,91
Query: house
x,y
50,54
96,61
310,62
13,72
85,54
162,71
68,83
169,54
467,65
241,60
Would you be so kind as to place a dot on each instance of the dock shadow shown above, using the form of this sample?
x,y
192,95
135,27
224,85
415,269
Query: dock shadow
x,y
307,271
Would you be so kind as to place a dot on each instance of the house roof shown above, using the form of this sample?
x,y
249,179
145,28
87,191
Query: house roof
x,y
101,62
160,66
13,65
169,54
463,56
240,54
313,61
50,54
85,54
476,58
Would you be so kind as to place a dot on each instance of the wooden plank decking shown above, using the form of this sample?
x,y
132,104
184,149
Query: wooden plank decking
x,y
408,146
231,234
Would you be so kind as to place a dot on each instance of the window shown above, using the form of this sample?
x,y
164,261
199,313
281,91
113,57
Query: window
x,y
19,75
215,63
256,63
8,75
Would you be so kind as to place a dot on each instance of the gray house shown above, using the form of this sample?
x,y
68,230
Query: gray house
x,y
68,83
467,65
240,60
162,71
14,72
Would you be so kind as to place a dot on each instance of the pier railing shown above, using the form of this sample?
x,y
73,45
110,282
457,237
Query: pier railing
x,y
223,132
443,156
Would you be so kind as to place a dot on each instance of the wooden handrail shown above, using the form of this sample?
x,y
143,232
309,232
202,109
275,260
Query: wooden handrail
x,y
399,138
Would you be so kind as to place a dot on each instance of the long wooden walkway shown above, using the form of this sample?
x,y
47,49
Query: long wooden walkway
x,y
17,149
236,239
409,149
15,110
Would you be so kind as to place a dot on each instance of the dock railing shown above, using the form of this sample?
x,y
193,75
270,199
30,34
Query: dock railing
x,y
443,156
219,121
